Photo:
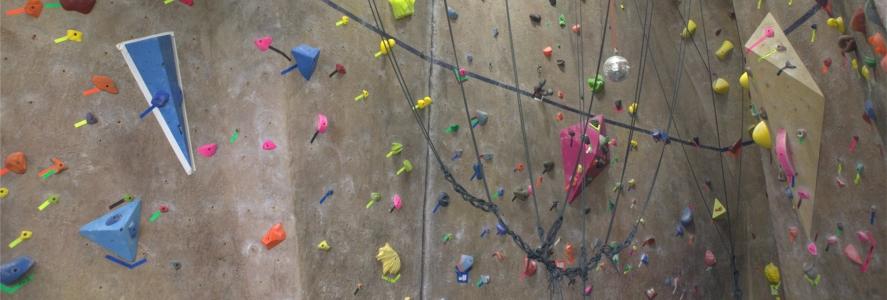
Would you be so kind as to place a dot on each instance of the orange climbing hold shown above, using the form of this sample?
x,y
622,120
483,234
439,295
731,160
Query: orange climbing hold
x,y
15,162
57,167
547,51
274,236
878,45
559,116
519,167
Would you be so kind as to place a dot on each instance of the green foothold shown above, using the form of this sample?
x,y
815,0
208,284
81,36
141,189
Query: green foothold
x,y
234,136
562,20
870,61
154,216
452,128
13,288
49,173
52,5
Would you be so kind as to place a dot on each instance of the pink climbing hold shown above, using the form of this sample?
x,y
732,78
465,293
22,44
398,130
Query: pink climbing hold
x,y
321,124
208,150
710,259
867,238
811,248
852,254
783,155
269,145
793,233
398,203
588,289
263,43
187,2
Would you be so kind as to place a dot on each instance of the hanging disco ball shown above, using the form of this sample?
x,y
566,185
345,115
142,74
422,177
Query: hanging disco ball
x,y
616,68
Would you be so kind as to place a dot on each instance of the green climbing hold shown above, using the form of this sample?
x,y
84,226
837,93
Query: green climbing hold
x,y
562,20
452,128
596,84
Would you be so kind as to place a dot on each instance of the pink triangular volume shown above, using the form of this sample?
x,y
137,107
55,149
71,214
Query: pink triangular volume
x,y
570,147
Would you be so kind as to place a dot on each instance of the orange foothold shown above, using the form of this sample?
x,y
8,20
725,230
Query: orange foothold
x,y
561,94
274,236
559,116
15,162
519,167
101,83
575,28
32,8
547,51
878,44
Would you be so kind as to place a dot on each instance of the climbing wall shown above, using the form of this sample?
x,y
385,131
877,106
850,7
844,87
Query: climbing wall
x,y
208,243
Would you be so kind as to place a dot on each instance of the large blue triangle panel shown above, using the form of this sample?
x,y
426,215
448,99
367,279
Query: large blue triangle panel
x,y
306,60
155,66
117,231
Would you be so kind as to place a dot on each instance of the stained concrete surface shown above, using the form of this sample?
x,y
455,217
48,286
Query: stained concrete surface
x,y
220,213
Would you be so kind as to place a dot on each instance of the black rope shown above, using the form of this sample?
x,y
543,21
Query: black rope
x,y
523,127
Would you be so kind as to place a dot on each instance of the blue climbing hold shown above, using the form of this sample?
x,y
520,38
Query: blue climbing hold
x,y
686,217
117,231
306,60
15,269
478,173
500,229
679,230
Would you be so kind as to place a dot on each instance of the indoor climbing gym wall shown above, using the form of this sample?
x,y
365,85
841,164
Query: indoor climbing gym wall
x,y
443,149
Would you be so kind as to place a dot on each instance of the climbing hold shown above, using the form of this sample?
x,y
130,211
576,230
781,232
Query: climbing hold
x,y
159,100
323,245
721,86
847,43
529,268
836,23
207,150
101,83
57,167
340,69
423,103
562,21
452,14
771,272
616,68
725,49
596,84
51,199
576,28
23,236
117,231
744,80
857,21
718,210
689,30
547,51
402,8
478,172
768,33
396,148
793,232
852,254
306,60
390,261
535,18
4,192
686,216
406,167
442,201
878,44
761,135
15,269
710,259
811,248
397,203
811,275
81,6
633,108
320,125
342,21
70,35
274,236
651,294
15,162
269,145
32,8
264,43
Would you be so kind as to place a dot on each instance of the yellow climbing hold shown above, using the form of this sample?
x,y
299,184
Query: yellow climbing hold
x,y
390,260
385,47
633,108
726,48
744,80
402,8
718,210
761,135
689,30
864,71
721,86
323,245
836,23
771,271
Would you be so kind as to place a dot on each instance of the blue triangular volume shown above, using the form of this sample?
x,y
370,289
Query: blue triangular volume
x,y
306,59
155,66
117,231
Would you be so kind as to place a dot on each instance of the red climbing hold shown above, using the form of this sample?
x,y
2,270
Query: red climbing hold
x,y
274,236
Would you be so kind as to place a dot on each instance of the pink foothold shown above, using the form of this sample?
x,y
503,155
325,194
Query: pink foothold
x,y
187,2
710,259
831,240
263,43
588,290
398,203
321,123
164,208
207,150
811,248
769,32
462,71
852,254
269,145
803,194
793,233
